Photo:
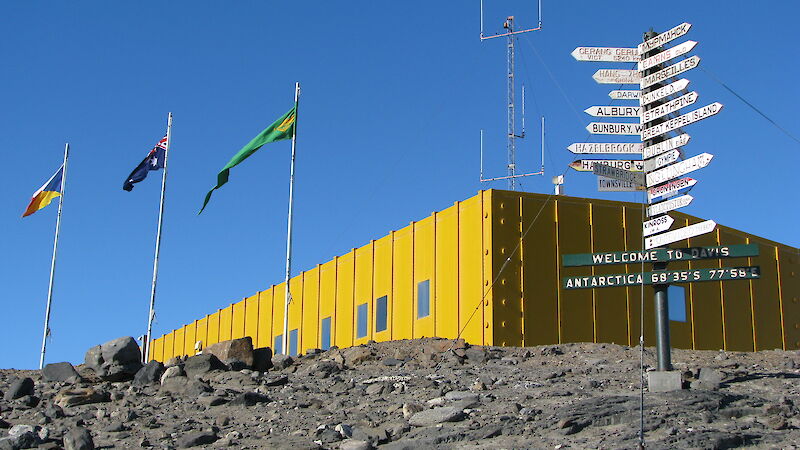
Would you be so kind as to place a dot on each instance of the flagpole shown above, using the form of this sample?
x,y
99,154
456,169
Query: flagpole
x,y
151,312
289,226
53,261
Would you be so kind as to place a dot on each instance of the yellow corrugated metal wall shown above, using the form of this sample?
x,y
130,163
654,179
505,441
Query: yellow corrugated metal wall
x,y
488,284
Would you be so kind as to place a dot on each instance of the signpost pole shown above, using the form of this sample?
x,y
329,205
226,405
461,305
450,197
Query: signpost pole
x,y
663,345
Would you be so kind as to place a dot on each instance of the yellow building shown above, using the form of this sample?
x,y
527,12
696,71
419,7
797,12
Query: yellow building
x,y
467,271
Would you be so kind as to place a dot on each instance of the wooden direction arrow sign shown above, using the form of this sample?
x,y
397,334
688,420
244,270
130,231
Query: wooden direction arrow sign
x,y
657,225
587,165
611,185
660,255
605,147
669,205
669,107
662,277
662,92
606,54
661,160
616,76
680,234
629,129
605,170
678,169
665,146
681,121
624,95
664,37
669,72
666,55
613,111
674,187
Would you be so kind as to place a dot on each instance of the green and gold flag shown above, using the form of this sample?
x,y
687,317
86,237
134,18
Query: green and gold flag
x,y
281,129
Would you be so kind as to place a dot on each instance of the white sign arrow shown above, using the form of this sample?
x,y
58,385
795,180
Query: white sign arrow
x,y
613,111
667,190
665,146
681,121
670,71
662,92
605,147
631,129
611,185
661,160
669,205
606,54
624,95
587,165
608,171
657,225
616,76
666,55
678,169
669,107
664,37
679,234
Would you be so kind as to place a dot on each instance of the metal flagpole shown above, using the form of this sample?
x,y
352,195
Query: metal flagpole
x,y
285,342
53,262
151,313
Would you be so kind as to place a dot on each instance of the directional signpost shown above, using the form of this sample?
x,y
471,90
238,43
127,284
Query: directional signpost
x,y
660,101
670,189
605,147
632,129
681,121
617,76
606,54
611,185
587,165
657,225
670,89
678,169
613,111
605,170
624,95
679,234
661,160
669,72
665,146
669,205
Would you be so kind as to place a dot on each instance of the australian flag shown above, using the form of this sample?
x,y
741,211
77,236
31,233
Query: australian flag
x,y
153,161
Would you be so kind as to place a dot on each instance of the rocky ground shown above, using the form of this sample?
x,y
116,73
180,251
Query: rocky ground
x,y
427,393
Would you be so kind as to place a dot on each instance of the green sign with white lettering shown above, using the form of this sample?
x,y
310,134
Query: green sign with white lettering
x,y
662,277
660,255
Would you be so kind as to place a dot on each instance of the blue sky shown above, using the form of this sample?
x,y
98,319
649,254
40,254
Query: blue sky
x,y
394,97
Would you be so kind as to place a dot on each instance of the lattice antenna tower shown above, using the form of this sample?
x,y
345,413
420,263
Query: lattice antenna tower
x,y
511,146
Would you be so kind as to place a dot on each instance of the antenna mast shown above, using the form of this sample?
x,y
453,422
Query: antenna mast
x,y
512,135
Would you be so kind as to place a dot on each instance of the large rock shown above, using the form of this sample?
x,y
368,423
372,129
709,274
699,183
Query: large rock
x,y
78,439
262,359
19,388
62,371
80,396
195,438
436,416
202,364
149,374
233,351
116,360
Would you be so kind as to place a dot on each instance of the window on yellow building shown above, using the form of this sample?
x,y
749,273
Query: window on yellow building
x,y
362,319
676,296
381,317
278,348
325,335
293,342
423,299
